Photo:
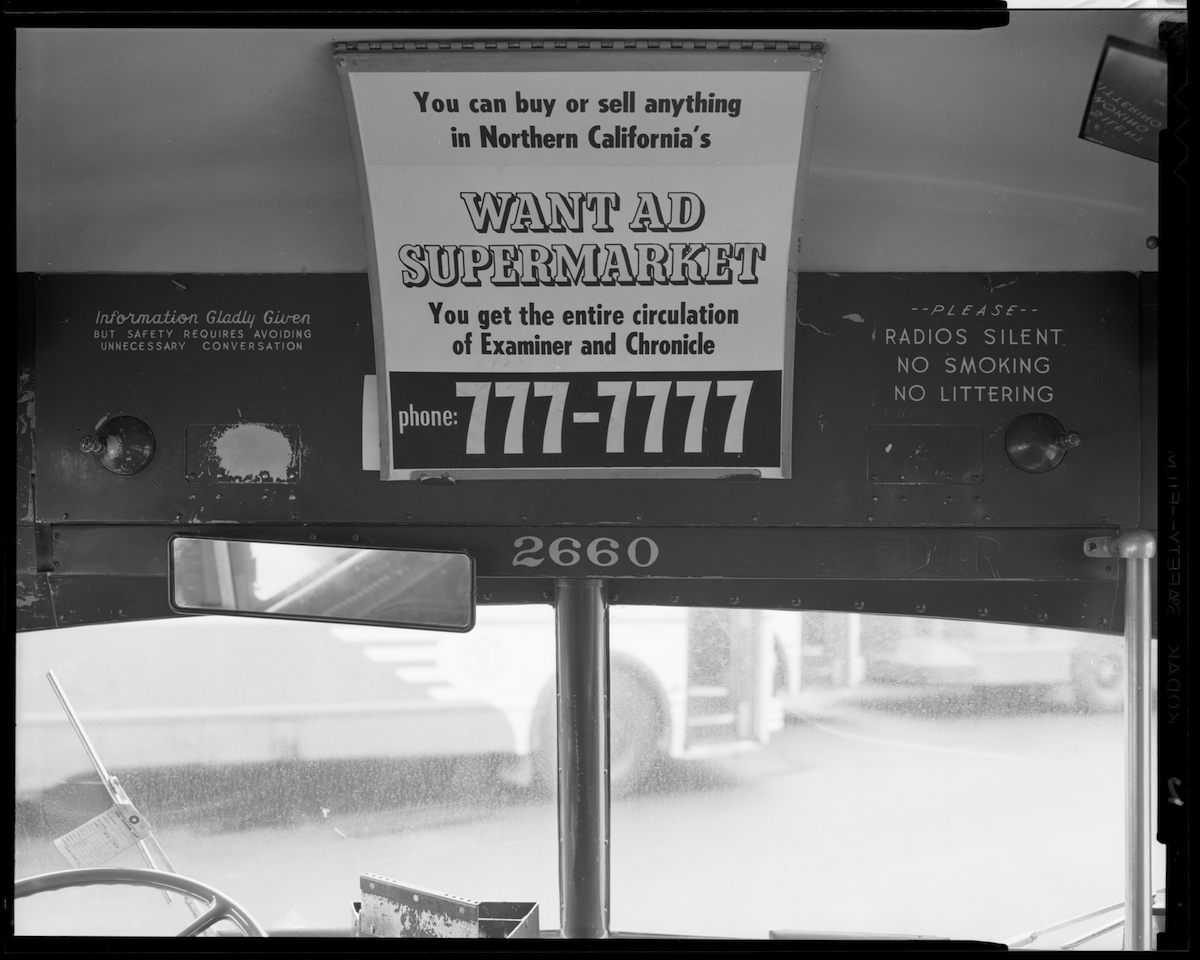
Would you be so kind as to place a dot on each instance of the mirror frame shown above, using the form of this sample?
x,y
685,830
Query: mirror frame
x,y
365,621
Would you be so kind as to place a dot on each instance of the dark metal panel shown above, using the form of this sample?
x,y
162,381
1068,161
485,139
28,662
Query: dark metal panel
x,y
287,350
969,350
846,382
1021,576
920,453
913,555
79,600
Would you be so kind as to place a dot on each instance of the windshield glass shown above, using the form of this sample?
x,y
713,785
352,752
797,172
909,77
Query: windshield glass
x,y
771,772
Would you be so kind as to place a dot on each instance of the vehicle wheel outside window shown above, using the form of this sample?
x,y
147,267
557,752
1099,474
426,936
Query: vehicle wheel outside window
x,y
638,734
1098,678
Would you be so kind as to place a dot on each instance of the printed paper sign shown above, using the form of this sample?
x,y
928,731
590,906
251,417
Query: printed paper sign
x,y
104,836
582,273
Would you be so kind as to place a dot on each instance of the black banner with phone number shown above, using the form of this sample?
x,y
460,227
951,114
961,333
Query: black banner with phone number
x,y
656,419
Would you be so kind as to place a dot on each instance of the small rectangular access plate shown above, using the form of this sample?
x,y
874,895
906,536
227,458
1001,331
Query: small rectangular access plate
x,y
243,452
925,453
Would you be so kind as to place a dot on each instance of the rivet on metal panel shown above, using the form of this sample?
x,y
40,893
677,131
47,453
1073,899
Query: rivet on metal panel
x,y
983,611
312,536
218,496
66,516
487,596
674,599
733,600
870,519
1043,617
548,594
859,605
920,608
796,602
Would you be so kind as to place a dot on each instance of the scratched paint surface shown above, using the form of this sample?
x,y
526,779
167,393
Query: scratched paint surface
x,y
244,452
251,449
384,917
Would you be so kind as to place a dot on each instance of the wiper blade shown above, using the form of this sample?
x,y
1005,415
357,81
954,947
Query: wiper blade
x,y
1028,938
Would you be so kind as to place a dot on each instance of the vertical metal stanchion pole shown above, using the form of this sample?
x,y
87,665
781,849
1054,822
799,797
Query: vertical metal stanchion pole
x,y
1136,548
581,630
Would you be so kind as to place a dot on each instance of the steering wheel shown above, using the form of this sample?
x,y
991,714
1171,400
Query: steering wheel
x,y
220,907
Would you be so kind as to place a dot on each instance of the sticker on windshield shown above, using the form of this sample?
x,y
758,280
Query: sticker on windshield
x,y
104,836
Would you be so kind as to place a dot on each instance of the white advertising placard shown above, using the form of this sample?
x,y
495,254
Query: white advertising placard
x,y
581,272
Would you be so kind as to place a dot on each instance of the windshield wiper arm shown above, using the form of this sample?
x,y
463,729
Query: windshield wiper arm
x,y
1028,938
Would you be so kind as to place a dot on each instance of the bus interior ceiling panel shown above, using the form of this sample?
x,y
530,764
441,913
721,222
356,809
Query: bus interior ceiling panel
x,y
990,236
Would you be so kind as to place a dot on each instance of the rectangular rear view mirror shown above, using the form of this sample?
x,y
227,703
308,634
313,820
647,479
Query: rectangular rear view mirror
x,y
396,587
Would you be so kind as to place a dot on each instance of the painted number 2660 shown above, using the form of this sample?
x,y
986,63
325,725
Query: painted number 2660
x,y
565,552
